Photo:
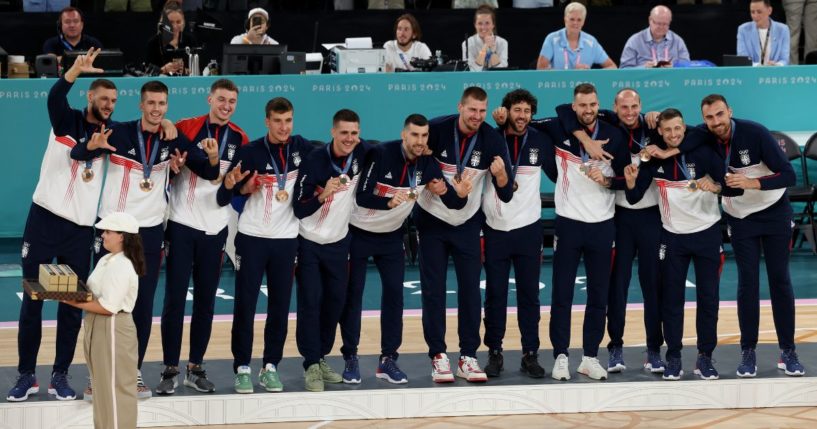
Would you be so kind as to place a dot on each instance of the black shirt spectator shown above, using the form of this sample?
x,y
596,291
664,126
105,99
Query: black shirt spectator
x,y
71,37
171,36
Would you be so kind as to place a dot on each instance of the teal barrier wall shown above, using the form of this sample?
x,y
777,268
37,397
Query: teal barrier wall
x,y
779,97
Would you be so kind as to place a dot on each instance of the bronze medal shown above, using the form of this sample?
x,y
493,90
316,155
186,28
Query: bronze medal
x,y
412,194
146,185
692,186
282,196
644,155
87,175
344,179
584,168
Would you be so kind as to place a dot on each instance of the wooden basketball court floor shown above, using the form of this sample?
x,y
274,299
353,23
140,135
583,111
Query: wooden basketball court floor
x,y
806,323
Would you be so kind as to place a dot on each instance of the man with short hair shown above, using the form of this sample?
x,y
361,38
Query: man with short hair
x,y
688,185
585,204
469,151
138,173
194,241
264,172
396,175
60,223
70,26
513,236
325,195
656,45
759,217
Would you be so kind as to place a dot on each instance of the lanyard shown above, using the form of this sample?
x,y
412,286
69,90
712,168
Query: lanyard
x,y
411,168
583,154
578,58
683,166
764,46
223,143
728,143
346,163
281,177
640,141
518,153
459,147
655,56
147,164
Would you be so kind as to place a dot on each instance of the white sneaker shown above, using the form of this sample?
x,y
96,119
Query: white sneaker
x,y
469,369
142,390
560,368
441,369
591,367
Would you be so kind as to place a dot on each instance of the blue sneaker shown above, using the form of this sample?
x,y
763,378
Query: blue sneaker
x,y
351,371
615,363
60,388
790,363
654,364
388,370
704,368
26,385
673,369
748,364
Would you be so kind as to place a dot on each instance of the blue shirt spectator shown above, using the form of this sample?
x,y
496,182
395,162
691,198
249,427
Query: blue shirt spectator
x,y
764,41
570,47
656,45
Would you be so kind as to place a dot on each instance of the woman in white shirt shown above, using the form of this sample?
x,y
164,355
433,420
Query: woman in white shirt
x,y
406,45
110,335
485,49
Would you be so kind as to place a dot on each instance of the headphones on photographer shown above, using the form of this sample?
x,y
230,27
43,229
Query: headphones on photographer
x,y
164,22
65,10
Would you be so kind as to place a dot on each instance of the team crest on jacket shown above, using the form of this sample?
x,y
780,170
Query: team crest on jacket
x,y
475,157
744,156
296,158
533,155
230,152
24,251
691,170
165,153
354,167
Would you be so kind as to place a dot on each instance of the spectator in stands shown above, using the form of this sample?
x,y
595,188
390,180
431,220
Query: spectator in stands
x,y
766,42
532,4
70,38
485,49
572,48
656,45
801,14
171,37
406,44
45,5
473,4
257,25
387,4
122,6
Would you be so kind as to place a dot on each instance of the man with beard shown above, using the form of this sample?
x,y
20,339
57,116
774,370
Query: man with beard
x,y
396,175
139,168
468,151
585,204
196,233
513,236
60,223
688,185
406,44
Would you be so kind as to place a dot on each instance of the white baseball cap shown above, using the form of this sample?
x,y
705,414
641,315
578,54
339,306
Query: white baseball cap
x,y
119,222
258,11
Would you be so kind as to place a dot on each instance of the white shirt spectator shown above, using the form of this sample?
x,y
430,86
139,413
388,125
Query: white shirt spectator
x,y
399,59
114,283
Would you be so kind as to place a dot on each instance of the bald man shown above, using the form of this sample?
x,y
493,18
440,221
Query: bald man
x,y
656,45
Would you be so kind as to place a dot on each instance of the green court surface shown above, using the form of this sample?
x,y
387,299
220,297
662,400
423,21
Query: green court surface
x,y
803,272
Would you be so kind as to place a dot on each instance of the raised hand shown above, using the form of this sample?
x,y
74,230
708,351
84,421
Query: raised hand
x,y
235,176
500,115
83,64
99,140
630,174
210,147
177,160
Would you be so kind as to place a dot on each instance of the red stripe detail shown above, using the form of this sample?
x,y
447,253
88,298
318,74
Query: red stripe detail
x,y
69,192
66,140
191,191
123,190
722,262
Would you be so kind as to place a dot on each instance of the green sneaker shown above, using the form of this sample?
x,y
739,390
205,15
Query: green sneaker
x,y
313,381
328,374
269,380
243,380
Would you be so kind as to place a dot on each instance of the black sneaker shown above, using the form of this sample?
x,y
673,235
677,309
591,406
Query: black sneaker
x,y
197,379
530,365
168,383
495,363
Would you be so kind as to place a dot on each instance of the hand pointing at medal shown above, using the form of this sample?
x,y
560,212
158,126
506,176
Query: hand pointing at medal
x,y
99,140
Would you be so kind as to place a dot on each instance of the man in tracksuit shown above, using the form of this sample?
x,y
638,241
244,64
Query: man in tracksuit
x,y
513,236
60,223
138,173
759,217
194,240
468,151
396,174
638,232
264,171
688,185
585,202
325,193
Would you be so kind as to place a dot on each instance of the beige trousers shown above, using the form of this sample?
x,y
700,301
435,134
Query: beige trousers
x,y
110,351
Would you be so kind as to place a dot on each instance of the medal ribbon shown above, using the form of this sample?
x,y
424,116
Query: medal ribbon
x,y
640,141
147,164
281,177
459,156
411,167
583,154
518,153
728,144
223,143
346,163
683,167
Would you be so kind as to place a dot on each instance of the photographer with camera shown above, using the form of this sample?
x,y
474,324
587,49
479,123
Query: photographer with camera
x,y
257,25
165,50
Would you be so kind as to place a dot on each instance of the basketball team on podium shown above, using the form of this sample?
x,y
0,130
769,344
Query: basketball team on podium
x,y
628,183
